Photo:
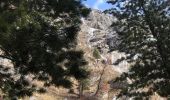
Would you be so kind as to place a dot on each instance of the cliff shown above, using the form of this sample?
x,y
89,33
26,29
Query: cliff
x,y
96,33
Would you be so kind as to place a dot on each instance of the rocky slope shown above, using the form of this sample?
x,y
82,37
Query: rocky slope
x,y
97,33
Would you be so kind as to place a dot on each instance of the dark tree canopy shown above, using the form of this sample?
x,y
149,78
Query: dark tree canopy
x,y
144,30
39,37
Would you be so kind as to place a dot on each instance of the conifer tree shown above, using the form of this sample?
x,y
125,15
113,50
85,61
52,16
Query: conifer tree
x,y
144,30
37,36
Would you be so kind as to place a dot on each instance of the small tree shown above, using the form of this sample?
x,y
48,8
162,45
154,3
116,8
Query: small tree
x,y
96,54
83,85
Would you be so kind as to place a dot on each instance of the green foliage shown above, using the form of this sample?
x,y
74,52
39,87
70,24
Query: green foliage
x,y
37,36
143,27
85,11
83,85
96,54
86,84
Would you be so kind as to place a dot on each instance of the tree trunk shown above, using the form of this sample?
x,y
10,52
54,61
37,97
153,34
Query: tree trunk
x,y
80,90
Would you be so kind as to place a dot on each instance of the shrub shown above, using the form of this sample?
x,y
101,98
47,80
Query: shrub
x,y
96,54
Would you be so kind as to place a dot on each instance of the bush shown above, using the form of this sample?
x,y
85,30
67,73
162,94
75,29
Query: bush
x,y
96,54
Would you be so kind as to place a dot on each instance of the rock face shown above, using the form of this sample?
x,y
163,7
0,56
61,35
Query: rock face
x,y
99,20
97,25
98,34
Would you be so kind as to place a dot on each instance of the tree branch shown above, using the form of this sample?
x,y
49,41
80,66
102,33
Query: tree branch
x,y
154,33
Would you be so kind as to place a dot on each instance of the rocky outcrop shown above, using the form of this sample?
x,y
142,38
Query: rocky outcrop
x,y
99,20
97,33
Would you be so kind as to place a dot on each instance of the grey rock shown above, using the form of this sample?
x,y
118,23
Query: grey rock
x,y
99,33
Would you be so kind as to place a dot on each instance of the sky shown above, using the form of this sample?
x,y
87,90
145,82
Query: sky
x,y
97,4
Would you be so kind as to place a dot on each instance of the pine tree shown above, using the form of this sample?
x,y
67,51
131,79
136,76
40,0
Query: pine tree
x,y
37,36
143,27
